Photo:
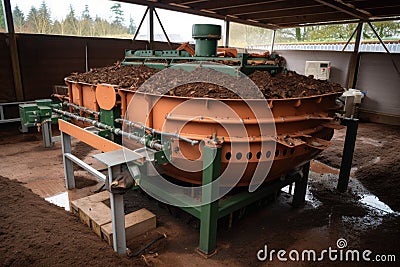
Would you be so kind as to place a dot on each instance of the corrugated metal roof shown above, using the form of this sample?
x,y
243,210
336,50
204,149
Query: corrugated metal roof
x,y
283,13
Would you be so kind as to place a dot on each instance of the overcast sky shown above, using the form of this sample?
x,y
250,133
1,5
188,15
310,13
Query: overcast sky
x,y
174,22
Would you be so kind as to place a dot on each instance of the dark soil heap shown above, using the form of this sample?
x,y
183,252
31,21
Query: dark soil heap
x,y
122,76
282,85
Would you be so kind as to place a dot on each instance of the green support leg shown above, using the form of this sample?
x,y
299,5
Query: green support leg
x,y
209,212
108,117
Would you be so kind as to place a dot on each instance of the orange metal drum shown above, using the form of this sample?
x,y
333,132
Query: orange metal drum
x,y
303,128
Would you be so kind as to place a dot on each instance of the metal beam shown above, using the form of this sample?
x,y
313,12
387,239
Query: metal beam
x,y
353,65
345,8
349,40
86,167
151,26
162,27
210,191
19,91
140,24
227,26
273,41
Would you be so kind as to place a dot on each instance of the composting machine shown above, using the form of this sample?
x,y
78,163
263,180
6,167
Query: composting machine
x,y
210,147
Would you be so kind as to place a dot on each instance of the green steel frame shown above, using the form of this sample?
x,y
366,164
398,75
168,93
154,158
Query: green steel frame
x,y
208,214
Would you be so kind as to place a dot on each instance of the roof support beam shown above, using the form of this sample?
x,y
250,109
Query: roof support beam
x,y
227,26
355,59
266,6
299,19
290,12
18,87
345,8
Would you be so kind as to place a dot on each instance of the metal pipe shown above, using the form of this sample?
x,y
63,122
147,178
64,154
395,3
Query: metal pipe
x,y
87,167
227,26
273,41
84,109
151,25
140,139
140,126
60,97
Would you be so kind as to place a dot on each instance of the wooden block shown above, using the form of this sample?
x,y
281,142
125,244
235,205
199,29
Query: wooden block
x,y
73,208
99,197
95,215
136,223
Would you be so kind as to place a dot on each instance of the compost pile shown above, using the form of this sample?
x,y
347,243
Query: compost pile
x,y
178,82
121,76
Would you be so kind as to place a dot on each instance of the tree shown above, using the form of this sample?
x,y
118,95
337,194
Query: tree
x,y
118,14
132,26
101,26
19,19
385,29
39,20
71,22
86,22
86,13
2,21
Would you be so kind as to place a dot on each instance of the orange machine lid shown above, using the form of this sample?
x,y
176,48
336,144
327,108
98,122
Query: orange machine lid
x,y
106,96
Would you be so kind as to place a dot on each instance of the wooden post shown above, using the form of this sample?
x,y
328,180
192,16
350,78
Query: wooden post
x,y
19,92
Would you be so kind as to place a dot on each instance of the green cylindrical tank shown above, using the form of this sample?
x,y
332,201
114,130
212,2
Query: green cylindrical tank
x,y
206,37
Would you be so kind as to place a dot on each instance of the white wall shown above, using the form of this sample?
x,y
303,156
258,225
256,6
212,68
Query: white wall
x,y
296,60
381,82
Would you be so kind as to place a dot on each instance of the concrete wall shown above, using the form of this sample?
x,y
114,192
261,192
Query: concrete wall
x,y
296,60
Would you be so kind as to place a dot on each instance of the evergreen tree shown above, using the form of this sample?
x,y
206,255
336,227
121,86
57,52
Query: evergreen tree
x,y
19,19
118,14
87,23
71,22
32,21
45,22
86,13
132,26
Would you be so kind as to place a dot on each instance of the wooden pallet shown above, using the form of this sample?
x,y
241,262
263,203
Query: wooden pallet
x,y
97,215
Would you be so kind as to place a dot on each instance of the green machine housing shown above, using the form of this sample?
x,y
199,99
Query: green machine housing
x,y
206,46
35,113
